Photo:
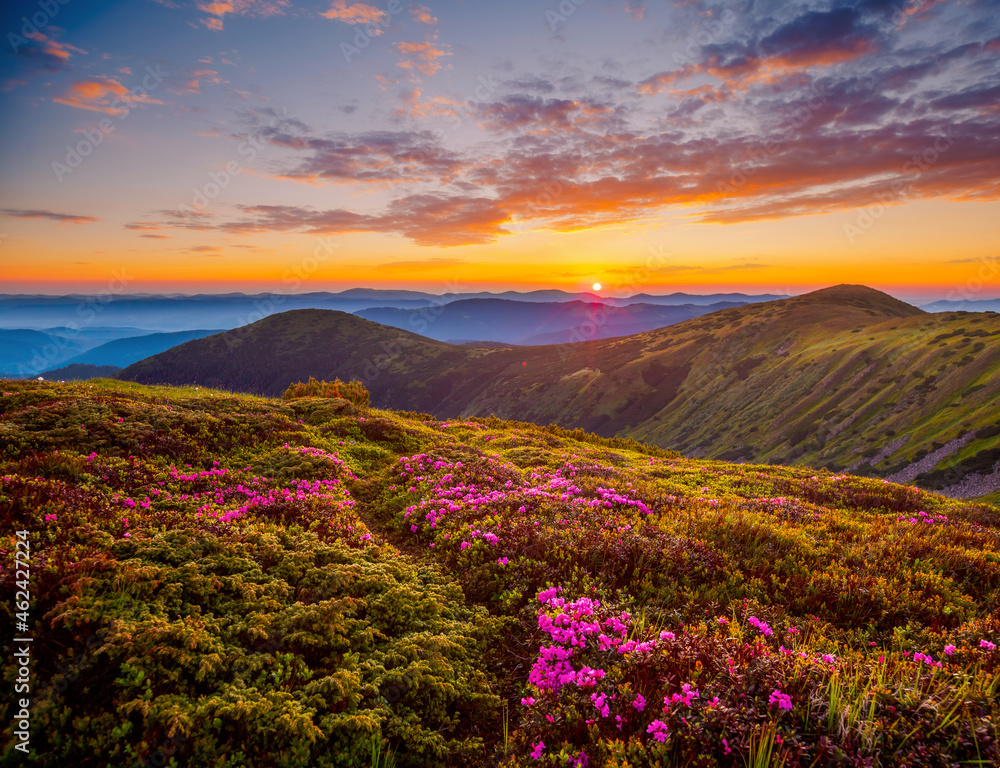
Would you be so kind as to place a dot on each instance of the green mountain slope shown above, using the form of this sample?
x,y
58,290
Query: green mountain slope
x,y
847,377
221,579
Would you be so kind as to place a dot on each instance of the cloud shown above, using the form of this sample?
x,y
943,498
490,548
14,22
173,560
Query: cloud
x,y
42,51
815,39
375,156
426,219
636,9
422,57
529,113
424,265
819,38
358,13
103,94
422,14
217,10
786,114
411,106
198,77
62,218
189,218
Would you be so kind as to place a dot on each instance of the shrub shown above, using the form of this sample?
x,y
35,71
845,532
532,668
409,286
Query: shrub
x,y
353,391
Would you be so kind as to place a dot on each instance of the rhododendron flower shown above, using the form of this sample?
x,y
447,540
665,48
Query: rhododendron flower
x,y
659,730
784,701
527,701
987,645
640,702
949,649
765,630
537,749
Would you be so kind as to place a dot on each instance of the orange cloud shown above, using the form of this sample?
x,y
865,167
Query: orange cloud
x,y
438,106
423,15
54,48
421,57
256,8
194,83
359,13
103,94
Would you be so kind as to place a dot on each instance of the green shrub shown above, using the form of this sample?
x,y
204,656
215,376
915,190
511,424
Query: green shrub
x,y
353,391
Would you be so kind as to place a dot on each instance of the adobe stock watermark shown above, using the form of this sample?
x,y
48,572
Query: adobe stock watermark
x,y
220,180
898,188
364,36
47,10
93,137
559,15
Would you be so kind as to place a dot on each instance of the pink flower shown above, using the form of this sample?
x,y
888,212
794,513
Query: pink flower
x,y
765,630
949,650
640,702
527,701
465,545
502,561
987,645
784,701
50,518
659,730
537,749
726,745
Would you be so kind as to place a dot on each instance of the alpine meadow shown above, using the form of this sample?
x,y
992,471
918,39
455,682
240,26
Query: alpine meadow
x,y
532,384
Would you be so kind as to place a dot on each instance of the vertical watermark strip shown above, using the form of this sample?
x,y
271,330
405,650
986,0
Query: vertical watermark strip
x,y
22,642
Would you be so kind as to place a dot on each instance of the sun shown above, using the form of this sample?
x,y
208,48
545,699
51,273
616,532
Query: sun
x,y
597,286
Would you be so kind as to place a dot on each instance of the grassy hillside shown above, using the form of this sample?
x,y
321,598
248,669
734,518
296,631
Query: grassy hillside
x,y
843,378
222,579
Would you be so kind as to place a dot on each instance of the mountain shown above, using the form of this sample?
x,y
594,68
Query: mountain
x,y
24,352
846,377
315,583
31,351
80,372
184,313
521,322
123,352
972,305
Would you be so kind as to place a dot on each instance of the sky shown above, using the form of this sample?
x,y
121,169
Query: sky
x,y
287,145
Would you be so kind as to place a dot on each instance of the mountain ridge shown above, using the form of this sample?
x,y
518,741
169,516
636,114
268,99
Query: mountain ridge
x,y
818,379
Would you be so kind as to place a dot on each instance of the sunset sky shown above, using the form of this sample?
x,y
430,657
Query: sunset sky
x,y
276,145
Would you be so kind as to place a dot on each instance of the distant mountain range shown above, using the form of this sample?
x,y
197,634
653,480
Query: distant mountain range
x,y
520,322
846,378
183,313
27,353
124,352
979,305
